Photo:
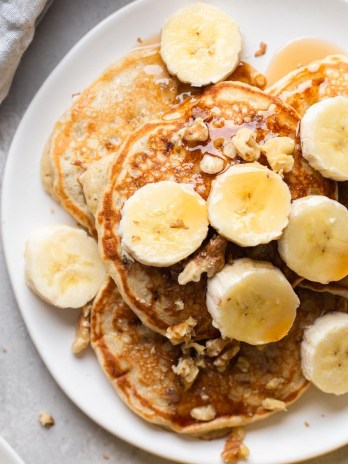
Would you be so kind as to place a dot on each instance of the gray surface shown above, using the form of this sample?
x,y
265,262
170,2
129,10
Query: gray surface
x,y
26,387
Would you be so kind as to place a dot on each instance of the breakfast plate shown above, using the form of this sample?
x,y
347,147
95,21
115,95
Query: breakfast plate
x,y
7,455
305,430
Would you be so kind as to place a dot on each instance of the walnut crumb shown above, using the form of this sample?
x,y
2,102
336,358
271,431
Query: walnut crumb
x,y
262,50
203,413
279,153
211,164
178,224
246,145
139,40
179,305
307,424
216,346
186,370
197,131
271,404
83,327
222,361
45,419
235,449
274,383
181,332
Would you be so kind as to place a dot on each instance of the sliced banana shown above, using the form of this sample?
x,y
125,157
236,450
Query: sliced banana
x,y
163,223
200,44
251,301
315,243
324,353
62,265
249,204
324,137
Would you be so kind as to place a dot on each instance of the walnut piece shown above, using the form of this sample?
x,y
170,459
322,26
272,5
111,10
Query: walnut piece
x,y
210,258
234,448
222,361
247,147
216,346
181,332
243,364
83,327
229,150
271,404
197,131
187,370
179,304
274,383
262,50
45,419
211,164
203,413
279,153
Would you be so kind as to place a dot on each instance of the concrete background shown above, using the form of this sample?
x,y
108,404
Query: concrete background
x,y
26,387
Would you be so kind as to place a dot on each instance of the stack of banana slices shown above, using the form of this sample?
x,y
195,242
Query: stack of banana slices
x,y
219,229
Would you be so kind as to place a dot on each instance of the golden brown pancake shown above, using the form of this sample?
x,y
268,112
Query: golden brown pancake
x,y
138,362
136,89
152,154
309,84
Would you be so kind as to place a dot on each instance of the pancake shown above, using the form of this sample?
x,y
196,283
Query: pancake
x,y
153,154
309,84
139,364
134,90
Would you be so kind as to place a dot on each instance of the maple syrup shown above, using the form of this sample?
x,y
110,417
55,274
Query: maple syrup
x,y
297,53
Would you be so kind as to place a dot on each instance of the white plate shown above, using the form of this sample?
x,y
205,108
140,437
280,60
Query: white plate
x,y
7,454
282,438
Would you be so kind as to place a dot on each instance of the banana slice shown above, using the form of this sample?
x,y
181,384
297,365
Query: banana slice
x,y
324,137
200,44
315,243
251,301
324,353
62,265
163,223
249,204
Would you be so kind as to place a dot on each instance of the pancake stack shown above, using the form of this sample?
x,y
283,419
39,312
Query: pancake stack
x,y
151,330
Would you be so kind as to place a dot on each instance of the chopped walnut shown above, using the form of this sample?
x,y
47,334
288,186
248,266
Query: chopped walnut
x,y
203,413
200,349
234,448
246,145
210,258
243,364
271,404
197,131
216,346
229,150
181,332
187,370
179,305
274,383
83,326
211,164
45,419
262,50
279,153
224,359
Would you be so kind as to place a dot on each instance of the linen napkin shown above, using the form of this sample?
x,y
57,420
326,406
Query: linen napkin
x,y
17,25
